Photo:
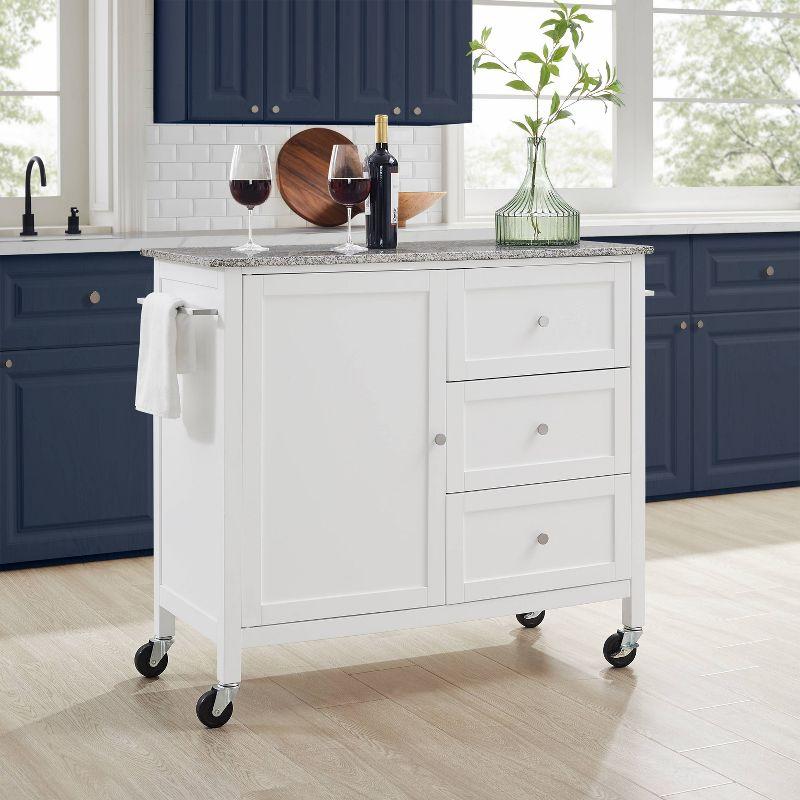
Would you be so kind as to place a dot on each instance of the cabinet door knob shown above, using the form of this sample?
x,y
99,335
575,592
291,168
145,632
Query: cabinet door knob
x,y
417,111
542,429
769,271
700,324
543,321
543,538
254,109
276,109
684,324
396,110
440,439
8,363
94,297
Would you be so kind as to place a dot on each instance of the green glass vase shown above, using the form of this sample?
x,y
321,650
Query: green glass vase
x,y
537,215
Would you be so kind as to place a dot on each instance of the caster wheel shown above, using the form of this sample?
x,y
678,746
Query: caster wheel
x,y
204,708
612,646
142,662
530,620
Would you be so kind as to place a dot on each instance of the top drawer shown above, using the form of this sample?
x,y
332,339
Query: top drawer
x,y
746,272
509,321
66,300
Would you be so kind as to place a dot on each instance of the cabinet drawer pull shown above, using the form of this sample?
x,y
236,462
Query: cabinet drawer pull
x,y
684,324
543,321
700,324
440,439
8,363
769,271
543,429
254,109
543,538
94,297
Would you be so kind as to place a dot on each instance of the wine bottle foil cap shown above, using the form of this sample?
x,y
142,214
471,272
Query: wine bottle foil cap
x,y
382,128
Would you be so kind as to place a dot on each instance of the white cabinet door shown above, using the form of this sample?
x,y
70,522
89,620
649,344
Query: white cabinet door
x,y
513,431
503,542
344,392
506,321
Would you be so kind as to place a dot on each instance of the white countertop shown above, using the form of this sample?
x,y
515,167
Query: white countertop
x,y
592,225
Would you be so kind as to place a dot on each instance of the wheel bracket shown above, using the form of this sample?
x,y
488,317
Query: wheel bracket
x,y
225,692
160,646
630,641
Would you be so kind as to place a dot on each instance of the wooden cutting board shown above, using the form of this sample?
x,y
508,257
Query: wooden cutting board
x,y
302,177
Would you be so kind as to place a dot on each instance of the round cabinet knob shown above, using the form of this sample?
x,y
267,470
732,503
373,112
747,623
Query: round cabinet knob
x,y
543,538
440,439
700,324
769,271
543,321
254,109
542,429
276,109
417,111
396,110
94,297
684,324
8,363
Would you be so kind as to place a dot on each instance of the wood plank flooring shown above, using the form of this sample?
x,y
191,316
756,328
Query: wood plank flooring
x,y
710,709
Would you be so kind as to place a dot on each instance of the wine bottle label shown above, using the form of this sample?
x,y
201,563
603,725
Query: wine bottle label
x,y
394,183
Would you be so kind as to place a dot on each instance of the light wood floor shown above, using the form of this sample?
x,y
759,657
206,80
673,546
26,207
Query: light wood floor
x,y
710,709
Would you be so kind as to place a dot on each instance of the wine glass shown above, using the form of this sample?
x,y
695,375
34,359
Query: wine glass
x,y
348,184
250,182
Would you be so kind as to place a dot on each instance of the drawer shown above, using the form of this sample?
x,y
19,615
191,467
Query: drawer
x,y
525,539
507,321
512,431
47,301
746,272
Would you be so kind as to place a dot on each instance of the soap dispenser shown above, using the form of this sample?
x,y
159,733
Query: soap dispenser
x,y
73,222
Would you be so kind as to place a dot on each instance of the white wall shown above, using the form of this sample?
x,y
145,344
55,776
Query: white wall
x,y
186,185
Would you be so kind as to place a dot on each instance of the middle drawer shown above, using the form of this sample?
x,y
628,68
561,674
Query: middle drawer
x,y
515,431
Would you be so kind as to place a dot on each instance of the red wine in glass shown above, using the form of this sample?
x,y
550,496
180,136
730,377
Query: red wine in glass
x,y
349,191
251,193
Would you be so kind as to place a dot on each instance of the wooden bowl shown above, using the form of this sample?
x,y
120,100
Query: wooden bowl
x,y
412,203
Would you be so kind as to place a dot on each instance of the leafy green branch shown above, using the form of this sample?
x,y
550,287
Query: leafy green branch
x,y
565,30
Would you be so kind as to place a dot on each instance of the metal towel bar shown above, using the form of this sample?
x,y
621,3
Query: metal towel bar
x,y
194,312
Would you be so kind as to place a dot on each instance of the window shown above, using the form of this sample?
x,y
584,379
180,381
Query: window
x,y
42,106
711,117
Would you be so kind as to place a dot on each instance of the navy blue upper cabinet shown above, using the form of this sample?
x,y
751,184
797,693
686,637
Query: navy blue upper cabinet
x,y
301,60
320,61
372,60
439,73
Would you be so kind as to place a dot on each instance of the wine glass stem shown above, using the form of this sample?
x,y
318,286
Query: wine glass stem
x,y
250,226
349,226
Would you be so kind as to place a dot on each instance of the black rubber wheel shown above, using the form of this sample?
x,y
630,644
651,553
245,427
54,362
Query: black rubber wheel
x,y
142,662
612,646
530,622
204,706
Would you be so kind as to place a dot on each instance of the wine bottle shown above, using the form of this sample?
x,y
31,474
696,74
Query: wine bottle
x,y
381,205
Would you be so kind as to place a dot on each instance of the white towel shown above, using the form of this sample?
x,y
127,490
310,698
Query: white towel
x,y
166,348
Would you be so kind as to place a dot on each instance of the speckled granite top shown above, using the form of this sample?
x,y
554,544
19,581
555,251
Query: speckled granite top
x,y
309,255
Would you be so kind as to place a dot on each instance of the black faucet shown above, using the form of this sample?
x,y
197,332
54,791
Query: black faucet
x,y
28,228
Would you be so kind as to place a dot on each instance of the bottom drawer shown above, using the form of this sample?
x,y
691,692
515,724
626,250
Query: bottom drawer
x,y
502,542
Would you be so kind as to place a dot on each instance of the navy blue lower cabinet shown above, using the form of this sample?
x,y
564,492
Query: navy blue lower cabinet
x,y
746,380
76,476
668,405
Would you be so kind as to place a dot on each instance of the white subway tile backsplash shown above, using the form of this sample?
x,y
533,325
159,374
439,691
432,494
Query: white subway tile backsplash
x,y
160,152
427,135
175,171
177,208
158,189
176,134
194,224
151,134
211,171
242,134
226,223
194,189
221,153
412,152
273,134
210,207
427,169
193,152
160,224
210,134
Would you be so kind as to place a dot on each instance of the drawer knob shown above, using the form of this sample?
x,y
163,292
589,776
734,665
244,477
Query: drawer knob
x,y
94,297
543,429
700,324
417,111
8,363
396,110
276,109
254,109
684,324
543,321
543,538
769,271
440,439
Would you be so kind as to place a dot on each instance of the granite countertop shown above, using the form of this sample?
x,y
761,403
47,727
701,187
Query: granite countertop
x,y
309,255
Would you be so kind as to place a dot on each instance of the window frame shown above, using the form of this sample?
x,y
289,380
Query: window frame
x,y
633,189
73,150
